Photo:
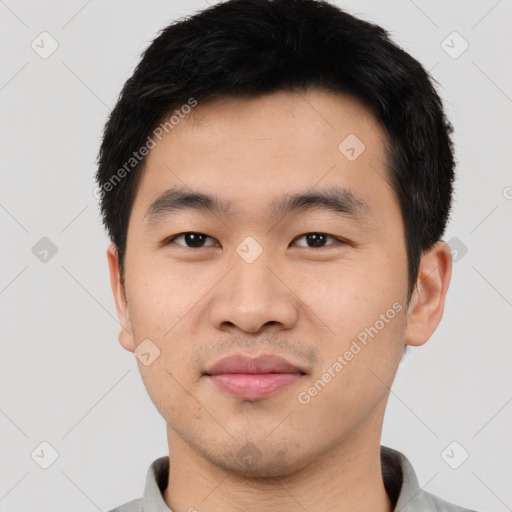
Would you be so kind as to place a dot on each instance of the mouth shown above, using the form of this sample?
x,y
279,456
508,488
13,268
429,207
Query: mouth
x,y
253,378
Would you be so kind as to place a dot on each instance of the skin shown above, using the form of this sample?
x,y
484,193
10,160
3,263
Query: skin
x,y
305,303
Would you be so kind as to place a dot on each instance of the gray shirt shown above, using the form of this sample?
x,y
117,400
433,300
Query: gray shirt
x,y
399,479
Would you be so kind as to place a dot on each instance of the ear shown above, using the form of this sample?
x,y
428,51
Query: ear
x,y
427,301
118,290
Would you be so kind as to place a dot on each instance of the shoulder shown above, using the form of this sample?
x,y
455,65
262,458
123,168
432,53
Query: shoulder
x,y
402,484
131,506
440,505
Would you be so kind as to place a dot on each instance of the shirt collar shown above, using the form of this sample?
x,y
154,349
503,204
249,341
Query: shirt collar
x,y
156,482
399,479
401,482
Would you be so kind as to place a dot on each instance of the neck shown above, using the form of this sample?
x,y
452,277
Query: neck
x,y
345,478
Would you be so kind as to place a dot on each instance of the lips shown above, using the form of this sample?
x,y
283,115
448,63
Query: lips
x,y
253,378
240,363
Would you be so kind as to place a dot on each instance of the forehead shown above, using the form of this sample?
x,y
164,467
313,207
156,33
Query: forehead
x,y
248,150
316,116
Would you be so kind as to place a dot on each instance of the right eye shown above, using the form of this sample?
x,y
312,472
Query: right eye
x,y
191,240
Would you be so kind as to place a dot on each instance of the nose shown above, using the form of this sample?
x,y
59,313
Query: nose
x,y
252,296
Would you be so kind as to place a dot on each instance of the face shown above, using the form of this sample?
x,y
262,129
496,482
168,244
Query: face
x,y
320,281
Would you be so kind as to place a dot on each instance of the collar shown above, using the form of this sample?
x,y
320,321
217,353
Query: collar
x,y
399,479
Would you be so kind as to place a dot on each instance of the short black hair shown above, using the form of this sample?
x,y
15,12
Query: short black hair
x,y
247,48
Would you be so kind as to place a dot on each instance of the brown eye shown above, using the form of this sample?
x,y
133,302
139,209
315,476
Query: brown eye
x,y
190,239
313,240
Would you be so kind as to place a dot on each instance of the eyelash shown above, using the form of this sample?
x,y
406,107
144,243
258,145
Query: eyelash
x,y
339,241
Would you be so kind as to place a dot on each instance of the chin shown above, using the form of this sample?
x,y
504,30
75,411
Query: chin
x,y
252,460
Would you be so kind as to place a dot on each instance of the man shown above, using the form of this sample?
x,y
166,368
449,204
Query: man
x,y
275,179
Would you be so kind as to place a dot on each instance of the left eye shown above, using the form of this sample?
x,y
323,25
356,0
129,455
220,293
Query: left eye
x,y
317,239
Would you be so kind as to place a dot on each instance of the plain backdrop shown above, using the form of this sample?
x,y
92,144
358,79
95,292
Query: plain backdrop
x,y
64,379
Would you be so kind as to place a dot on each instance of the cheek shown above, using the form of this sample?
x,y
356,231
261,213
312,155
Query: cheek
x,y
351,295
160,296
162,304
361,302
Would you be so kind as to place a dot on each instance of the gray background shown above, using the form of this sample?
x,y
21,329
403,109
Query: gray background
x,y
64,377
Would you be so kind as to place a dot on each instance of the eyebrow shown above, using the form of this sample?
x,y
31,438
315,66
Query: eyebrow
x,y
332,199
